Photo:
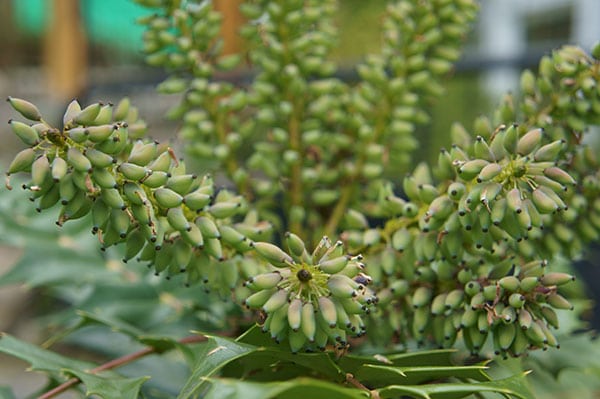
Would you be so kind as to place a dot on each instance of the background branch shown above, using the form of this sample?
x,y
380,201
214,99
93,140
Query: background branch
x,y
112,364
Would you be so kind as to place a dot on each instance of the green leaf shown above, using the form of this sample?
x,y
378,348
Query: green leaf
x,y
40,359
159,343
266,364
6,393
269,363
515,386
435,357
56,266
109,388
215,354
109,385
115,324
572,371
254,336
260,363
385,375
300,388
580,351
20,224
168,371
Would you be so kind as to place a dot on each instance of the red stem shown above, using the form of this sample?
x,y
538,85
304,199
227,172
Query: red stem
x,y
121,361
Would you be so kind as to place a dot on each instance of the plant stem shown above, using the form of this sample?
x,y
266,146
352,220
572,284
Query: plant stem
x,y
342,205
339,210
231,164
296,180
373,394
112,364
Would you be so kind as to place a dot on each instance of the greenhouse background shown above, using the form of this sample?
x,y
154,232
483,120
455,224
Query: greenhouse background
x,y
54,50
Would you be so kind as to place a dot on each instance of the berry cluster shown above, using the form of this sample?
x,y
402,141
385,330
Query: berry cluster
x,y
463,252
311,299
136,190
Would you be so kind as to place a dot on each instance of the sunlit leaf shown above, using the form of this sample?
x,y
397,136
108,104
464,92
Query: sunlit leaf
x,y
39,359
211,357
436,357
514,386
271,356
300,388
388,375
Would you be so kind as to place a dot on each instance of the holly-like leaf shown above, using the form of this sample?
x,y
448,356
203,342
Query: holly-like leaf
x,y
378,375
159,343
108,388
40,359
435,357
279,364
20,224
572,371
270,355
514,386
109,385
299,388
212,356
168,371
115,324
60,266
254,336
269,362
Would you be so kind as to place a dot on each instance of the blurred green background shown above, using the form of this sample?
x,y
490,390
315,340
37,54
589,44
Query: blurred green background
x,y
113,60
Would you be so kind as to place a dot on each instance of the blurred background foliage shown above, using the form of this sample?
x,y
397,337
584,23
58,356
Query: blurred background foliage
x,y
113,42
111,59
106,44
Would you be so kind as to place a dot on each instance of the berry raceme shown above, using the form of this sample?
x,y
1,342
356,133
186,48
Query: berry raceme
x,y
487,293
311,300
183,37
571,72
137,192
322,132
502,199
502,205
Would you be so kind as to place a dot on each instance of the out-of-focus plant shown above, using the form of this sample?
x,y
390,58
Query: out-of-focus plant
x,y
319,230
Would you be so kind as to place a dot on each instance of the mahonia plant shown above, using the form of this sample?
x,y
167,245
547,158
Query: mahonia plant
x,y
139,193
467,250
459,250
